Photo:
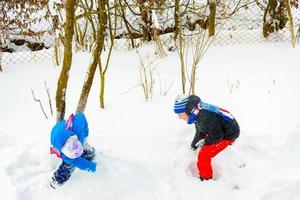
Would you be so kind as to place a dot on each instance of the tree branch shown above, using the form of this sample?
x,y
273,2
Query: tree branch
x,y
39,101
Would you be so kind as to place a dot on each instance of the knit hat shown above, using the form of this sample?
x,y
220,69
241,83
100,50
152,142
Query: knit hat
x,y
72,147
180,103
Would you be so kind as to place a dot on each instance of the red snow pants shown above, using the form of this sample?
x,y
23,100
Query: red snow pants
x,y
205,155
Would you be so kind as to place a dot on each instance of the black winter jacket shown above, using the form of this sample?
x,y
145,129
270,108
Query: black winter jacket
x,y
213,128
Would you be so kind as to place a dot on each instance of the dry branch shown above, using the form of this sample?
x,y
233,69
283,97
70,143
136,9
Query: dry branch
x,y
49,98
39,101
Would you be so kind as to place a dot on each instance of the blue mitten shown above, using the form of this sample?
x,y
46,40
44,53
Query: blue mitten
x,y
92,167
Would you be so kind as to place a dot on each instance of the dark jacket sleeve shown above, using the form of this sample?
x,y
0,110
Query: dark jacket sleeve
x,y
198,136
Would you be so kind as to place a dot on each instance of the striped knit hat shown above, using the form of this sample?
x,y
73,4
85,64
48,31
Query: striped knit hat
x,y
180,103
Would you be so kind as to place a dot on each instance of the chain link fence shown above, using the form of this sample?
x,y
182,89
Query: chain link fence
x,y
244,27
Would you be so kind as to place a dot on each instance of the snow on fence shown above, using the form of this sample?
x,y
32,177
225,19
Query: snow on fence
x,y
246,26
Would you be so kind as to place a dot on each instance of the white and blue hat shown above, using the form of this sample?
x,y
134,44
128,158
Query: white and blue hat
x,y
180,103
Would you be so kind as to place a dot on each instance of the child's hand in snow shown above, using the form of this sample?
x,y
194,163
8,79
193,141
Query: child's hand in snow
x,y
92,167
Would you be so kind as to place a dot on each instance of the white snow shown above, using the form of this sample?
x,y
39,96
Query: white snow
x,y
142,147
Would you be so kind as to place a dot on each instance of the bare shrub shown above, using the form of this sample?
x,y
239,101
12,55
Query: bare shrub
x,y
146,72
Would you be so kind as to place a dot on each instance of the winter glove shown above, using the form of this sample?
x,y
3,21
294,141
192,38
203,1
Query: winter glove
x,y
194,147
92,167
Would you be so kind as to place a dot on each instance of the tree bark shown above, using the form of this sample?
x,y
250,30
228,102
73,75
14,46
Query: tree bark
x,y
291,22
55,21
212,19
103,22
182,62
67,62
102,90
103,69
176,19
126,25
102,19
145,16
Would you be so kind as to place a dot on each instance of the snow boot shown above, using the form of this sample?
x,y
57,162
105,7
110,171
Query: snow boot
x,y
55,184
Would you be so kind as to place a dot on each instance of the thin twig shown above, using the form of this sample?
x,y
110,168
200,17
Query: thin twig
x,y
125,92
37,100
49,98
163,90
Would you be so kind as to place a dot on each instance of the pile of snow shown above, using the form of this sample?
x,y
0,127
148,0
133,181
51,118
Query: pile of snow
x,y
142,147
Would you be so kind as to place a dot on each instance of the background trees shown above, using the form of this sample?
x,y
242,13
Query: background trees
x,y
17,24
96,26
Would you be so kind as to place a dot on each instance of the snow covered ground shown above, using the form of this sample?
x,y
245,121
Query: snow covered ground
x,y
142,147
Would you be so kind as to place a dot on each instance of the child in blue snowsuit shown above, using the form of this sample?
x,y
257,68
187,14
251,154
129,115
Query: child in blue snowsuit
x,y
68,141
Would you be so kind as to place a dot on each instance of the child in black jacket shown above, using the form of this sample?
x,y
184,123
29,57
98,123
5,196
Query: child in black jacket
x,y
215,125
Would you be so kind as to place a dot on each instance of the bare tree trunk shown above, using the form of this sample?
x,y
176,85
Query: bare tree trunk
x,y
126,24
89,79
55,22
67,62
182,47
102,18
103,69
103,23
212,18
176,19
145,15
291,23
102,91
182,63
265,31
56,54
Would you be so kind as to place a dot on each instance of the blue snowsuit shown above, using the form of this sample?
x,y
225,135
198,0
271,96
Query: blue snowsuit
x,y
59,136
